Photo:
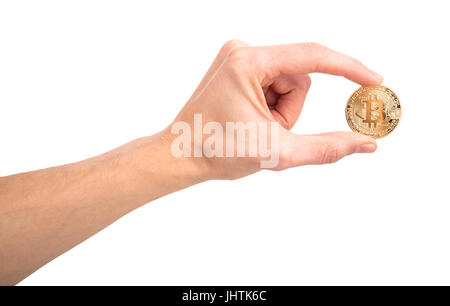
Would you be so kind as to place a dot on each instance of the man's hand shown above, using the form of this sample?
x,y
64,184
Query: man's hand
x,y
255,84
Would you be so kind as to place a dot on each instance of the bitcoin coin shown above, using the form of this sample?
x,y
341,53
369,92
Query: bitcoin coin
x,y
373,111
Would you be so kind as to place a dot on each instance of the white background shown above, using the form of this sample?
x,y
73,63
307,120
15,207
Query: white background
x,y
78,78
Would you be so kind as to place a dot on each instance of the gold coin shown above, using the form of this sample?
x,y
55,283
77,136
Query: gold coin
x,y
373,111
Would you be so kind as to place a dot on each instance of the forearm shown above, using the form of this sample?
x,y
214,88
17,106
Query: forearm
x,y
45,213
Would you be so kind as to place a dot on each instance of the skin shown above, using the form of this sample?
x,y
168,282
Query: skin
x,y
47,212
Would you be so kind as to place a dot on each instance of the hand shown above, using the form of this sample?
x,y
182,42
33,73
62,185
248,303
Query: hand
x,y
269,84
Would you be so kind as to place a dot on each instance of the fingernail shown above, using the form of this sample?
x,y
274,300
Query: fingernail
x,y
366,148
377,76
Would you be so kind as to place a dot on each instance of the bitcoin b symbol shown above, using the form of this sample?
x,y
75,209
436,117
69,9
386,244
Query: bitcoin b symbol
x,y
373,111
380,106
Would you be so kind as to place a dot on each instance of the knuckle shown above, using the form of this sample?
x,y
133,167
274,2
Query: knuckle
x,y
317,53
230,44
239,59
316,47
355,62
330,154
316,50
239,54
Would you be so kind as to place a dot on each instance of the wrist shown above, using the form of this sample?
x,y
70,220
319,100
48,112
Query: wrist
x,y
151,169
191,170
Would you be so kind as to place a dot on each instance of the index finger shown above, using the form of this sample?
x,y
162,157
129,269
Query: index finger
x,y
306,58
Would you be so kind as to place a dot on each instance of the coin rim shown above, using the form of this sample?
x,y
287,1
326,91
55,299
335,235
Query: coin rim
x,y
353,126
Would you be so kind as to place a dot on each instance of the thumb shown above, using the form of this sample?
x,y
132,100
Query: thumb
x,y
327,147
